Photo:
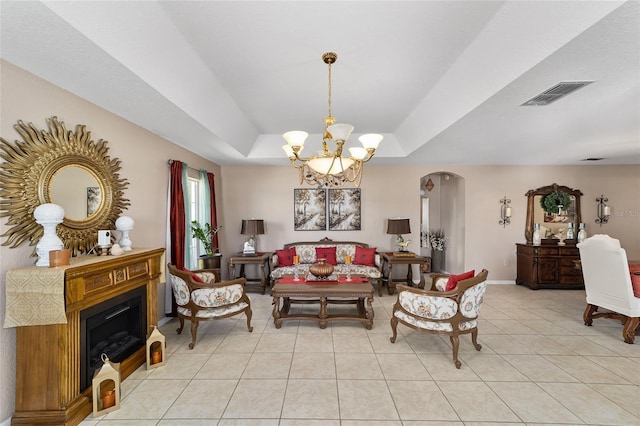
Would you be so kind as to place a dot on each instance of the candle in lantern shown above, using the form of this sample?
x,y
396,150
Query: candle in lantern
x,y
347,260
108,399
296,259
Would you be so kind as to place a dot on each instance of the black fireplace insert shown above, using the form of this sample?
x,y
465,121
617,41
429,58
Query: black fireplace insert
x,y
115,327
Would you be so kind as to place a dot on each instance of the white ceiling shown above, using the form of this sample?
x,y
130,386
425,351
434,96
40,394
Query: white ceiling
x,y
442,80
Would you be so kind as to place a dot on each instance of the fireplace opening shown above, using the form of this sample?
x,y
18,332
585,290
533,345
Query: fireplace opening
x,y
115,327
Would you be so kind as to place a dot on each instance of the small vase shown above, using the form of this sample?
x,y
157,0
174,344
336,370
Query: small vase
x,y
321,269
437,259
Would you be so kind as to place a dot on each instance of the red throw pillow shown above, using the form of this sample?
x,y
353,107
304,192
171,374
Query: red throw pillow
x,y
285,257
365,256
328,253
453,279
193,275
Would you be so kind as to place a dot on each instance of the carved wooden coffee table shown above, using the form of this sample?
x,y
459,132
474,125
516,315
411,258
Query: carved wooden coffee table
x,y
286,293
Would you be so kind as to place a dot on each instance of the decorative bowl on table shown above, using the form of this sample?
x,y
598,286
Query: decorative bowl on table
x,y
321,269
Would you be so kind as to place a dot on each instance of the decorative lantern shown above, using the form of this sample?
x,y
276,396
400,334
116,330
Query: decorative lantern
x,y
156,349
106,388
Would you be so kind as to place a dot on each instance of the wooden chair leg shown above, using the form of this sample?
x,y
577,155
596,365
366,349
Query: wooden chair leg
x,y
455,343
249,314
588,314
194,332
179,329
474,339
394,326
628,331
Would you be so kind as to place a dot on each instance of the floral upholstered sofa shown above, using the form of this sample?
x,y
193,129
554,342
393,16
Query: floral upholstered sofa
x,y
364,260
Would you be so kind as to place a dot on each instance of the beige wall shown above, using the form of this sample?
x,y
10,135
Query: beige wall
x,y
267,193
144,163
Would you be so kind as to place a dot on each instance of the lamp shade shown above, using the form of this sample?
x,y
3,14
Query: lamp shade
x,y
398,226
252,227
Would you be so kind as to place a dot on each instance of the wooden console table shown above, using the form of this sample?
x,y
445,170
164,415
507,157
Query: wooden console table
x,y
549,266
260,259
391,258
48,389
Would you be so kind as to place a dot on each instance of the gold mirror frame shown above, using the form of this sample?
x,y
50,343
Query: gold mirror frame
x,y
546,190
25,179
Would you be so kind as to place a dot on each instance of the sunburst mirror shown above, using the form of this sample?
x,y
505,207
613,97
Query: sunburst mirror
x,y
65,168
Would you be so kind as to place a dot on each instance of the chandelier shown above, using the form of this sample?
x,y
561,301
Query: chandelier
x,y
326,168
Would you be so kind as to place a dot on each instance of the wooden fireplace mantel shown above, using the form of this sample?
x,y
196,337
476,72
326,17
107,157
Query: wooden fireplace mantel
x,y
48,356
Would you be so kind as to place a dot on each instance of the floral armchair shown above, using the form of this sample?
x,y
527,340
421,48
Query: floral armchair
x,y
450,313
201,297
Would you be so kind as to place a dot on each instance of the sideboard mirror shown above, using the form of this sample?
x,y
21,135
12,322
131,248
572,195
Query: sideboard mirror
x,y
552,222
65,168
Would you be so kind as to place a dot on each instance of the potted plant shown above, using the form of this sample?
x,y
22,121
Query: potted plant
x,y
205,234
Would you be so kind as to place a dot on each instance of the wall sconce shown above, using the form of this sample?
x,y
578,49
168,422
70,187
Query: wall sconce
x,y
603,210
505,212
251,227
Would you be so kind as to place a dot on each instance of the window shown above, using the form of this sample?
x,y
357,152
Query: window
x,y
194,246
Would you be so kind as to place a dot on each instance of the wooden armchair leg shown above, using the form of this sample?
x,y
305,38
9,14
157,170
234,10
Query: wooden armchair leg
x,y
194,332
474,340
179,329
249,314
629,329
394,326
455,343
587,316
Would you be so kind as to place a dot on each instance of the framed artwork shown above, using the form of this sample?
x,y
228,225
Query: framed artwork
x,y
309,209
94,197
344,209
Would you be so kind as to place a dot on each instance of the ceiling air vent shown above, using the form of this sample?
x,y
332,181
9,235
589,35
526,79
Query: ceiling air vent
x,y
556,92
592,159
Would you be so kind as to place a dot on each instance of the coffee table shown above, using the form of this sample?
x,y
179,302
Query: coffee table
x,y
286,293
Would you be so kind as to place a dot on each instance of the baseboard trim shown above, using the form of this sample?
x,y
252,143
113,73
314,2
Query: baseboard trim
x,y
161,322
501,282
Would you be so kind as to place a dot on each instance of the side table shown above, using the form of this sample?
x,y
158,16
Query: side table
x,y
400,258
261,259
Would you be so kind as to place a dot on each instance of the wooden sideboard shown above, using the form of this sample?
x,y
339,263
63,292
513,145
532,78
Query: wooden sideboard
x,y
549,266
48,389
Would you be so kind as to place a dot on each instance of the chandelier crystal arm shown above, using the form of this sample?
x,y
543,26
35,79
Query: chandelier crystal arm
x,y
331,169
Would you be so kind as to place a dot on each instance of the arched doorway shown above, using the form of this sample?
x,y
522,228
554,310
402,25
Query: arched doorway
x,y
443,208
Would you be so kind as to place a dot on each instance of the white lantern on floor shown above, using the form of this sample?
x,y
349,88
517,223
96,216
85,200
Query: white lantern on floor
x,y
156,346
106,388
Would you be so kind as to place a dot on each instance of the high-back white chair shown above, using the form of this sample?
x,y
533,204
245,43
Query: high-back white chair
x,y
607,282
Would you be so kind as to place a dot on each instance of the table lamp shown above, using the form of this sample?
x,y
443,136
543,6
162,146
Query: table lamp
x,y
251,227
398,227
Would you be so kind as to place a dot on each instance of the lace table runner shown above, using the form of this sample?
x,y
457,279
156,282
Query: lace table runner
x,y
35,296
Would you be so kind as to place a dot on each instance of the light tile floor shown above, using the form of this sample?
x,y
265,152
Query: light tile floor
x,y
539,364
